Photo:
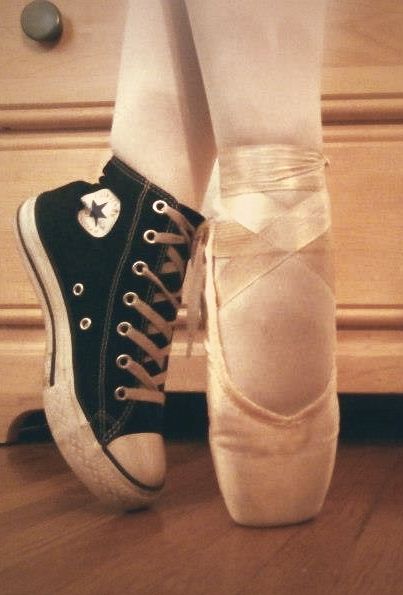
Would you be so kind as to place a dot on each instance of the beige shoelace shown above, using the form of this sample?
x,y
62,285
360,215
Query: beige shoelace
x,y
196,312
149,389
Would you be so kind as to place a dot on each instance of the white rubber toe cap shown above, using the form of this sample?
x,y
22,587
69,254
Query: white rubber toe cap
x,y
141,457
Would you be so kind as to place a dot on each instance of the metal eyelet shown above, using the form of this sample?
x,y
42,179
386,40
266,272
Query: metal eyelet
x,y
120,393
150,236
123,328
130,298
78,289
122,361
160,206
139,267
85,323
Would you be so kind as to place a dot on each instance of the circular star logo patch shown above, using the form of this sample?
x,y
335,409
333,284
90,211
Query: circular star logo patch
x,y
100,212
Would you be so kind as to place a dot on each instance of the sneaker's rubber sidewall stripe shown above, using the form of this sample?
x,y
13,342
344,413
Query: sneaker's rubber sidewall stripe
x,y
44,297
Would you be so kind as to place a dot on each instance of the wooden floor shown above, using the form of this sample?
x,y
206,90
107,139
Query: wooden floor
x,y
56,539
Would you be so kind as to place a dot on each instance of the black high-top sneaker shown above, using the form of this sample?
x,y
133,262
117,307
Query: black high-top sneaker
x,y
108,261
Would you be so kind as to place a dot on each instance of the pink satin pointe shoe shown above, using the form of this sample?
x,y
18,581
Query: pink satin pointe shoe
x,y
273,467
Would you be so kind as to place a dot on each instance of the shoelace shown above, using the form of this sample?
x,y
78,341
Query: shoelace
x,y
195,309
149,389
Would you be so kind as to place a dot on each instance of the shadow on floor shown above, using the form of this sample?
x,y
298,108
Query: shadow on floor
x,y
364,419
371,418
185,419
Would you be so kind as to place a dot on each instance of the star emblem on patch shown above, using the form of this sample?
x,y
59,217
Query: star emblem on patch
x,y
96,211
100,213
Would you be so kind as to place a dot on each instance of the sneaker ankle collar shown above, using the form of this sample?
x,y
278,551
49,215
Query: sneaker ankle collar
x,y
126,183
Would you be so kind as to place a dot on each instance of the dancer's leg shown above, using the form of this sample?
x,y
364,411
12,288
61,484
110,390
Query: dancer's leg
x,y
261,65
161,126
262,78
272,394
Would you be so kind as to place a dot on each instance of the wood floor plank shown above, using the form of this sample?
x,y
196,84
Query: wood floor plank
x,y
376,561
56,539
314,561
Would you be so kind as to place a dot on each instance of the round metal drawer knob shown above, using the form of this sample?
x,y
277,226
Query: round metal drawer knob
x,y
42,21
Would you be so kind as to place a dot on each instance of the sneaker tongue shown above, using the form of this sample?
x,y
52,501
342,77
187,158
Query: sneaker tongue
x,y
192,216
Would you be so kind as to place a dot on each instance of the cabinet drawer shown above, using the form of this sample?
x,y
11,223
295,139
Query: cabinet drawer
x,y
363,48
82,67
27,172
365,180
363,53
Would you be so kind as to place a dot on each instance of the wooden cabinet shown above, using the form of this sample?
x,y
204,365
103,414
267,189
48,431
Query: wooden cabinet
x,y
56,105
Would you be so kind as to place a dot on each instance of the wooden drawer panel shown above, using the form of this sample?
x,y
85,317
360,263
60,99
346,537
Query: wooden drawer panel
x,y
366,186
363,48
82,67
363,53
26,173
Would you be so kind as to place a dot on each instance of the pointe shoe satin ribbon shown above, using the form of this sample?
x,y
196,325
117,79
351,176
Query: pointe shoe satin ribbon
x,y
292,226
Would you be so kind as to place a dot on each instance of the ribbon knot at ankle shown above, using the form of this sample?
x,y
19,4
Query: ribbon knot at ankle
x,y
270,168
288,184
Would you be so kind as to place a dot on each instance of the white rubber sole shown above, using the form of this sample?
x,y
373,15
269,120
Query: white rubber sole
x,y
68,424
